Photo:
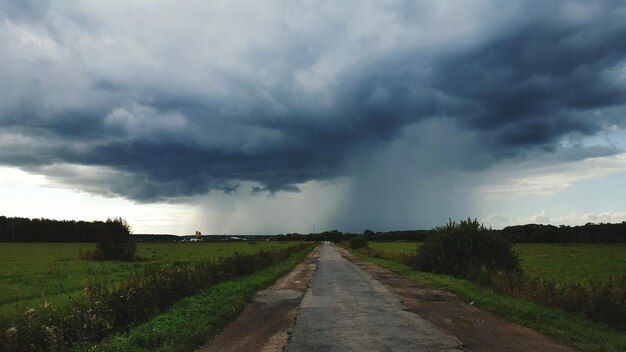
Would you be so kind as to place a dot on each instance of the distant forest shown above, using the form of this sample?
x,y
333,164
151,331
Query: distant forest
x,y
588,233
46,230
532,233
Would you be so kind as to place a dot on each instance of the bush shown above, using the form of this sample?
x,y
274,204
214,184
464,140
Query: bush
x,y
114,243
466,250
357,242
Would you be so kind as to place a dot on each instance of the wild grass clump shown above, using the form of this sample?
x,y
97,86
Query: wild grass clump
x,y
602,301
103,309
466,250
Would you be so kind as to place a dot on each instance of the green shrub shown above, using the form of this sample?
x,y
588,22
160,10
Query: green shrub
x,y
466,250
357,242
114,243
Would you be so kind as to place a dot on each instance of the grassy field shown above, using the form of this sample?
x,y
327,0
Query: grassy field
x,y
33,272
573,262
561,262
395,247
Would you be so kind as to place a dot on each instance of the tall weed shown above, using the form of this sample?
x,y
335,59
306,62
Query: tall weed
x,y
602,301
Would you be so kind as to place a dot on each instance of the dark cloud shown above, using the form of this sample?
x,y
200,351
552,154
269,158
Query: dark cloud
x,y
512,90
28,10
527,86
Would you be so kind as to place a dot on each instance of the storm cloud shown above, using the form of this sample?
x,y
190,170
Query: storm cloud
x,y
157,100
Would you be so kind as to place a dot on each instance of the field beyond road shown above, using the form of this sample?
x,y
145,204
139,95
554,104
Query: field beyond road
x,y
568,263
31,273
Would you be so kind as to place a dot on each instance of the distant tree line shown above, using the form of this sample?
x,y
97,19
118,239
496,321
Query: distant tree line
x,y
532,233
155,238
588,233
410,235
47,230
333,236
15,229
338,236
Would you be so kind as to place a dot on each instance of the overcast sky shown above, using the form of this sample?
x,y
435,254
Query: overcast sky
x,y
278,116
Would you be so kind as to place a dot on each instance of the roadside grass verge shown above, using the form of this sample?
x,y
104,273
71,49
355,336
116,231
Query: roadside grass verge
x,y
569,328
193,320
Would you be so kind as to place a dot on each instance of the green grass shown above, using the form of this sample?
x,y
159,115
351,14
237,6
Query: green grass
x,y
191,321
567,263
395,247
573,262
568,328
33,272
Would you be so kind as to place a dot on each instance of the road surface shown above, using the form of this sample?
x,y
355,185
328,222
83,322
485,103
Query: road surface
x,y
345,309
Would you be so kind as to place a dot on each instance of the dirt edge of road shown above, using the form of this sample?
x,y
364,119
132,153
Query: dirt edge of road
x,y
477,329
265,322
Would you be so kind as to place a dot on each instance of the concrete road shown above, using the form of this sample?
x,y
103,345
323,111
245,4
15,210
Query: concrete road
x,y
345,309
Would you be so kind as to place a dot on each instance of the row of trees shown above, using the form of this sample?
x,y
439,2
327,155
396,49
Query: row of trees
x,y
47,230
338,236
532,233
588,233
